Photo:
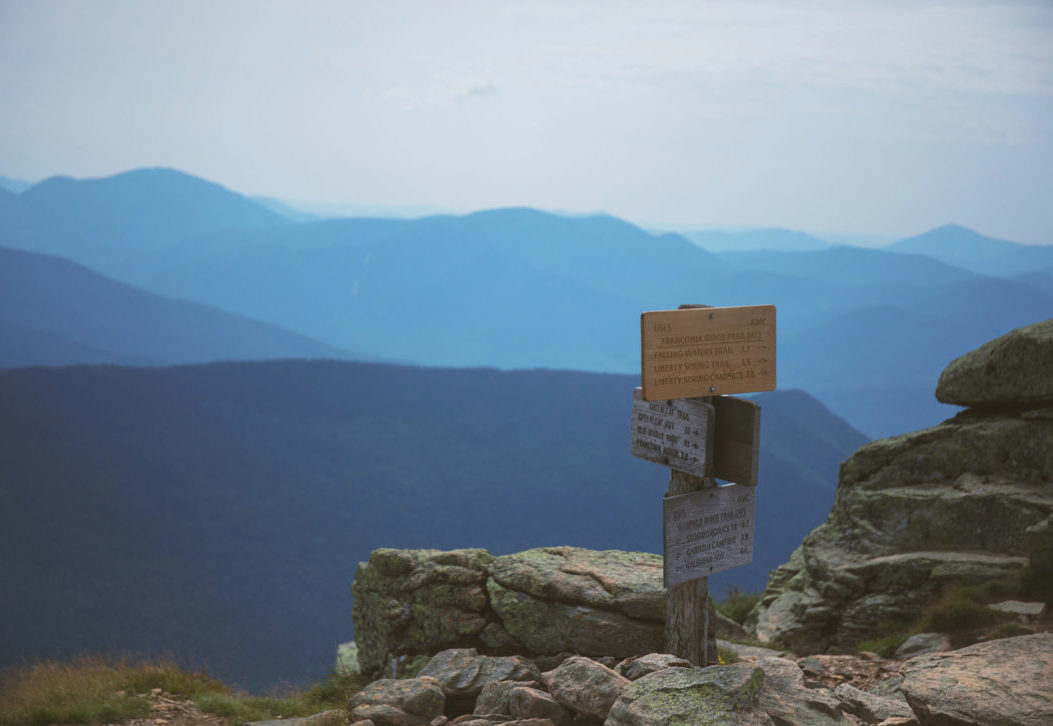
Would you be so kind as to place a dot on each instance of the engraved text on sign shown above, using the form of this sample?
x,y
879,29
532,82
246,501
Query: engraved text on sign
x,y
707,351
674,433
707,531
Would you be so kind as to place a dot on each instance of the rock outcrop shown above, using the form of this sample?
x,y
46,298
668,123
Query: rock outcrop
x,y
1003,682
542,602
963,502
1014,369
996,682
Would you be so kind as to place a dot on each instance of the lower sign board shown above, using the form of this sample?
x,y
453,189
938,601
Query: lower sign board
x,y
674,433
707,531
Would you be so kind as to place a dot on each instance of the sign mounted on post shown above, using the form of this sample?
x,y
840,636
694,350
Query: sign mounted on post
x,y
707,351
707,531
674,433
736,442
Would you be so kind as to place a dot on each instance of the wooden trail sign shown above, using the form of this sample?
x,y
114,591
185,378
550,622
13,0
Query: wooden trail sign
x,y
707,531
707,351
674,433
736,440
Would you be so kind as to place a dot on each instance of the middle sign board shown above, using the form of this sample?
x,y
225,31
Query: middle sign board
x,y
675,433
708,437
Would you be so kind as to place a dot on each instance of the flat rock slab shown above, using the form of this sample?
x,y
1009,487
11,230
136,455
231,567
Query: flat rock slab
x,y
463,672
1012,369
1005,682
767,691
922,643
628,582
1024,610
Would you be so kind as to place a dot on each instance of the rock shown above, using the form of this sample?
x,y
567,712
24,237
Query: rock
x,y
633,668
347,658
463,672
900,721
417,600
740,649
326,718
915,513
1024,611
888,687
528,703
1005,682
725,627
472,719
697,696
922,643
626,582
872,708
585,686
415,603
420,700
770,691
1012,369
382,714
494,697
365,722
439,721
545,626
1040,546
786,700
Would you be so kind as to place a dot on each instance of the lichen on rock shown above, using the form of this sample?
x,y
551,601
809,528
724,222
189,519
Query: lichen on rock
x,y
959,503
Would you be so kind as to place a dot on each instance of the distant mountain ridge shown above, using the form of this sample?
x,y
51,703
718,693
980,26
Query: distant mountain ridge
x,y
55,312
219,511
94,221
15,186
968,249
520,288
773,239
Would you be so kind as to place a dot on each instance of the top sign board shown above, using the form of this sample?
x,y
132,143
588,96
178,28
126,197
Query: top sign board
x,y
707,351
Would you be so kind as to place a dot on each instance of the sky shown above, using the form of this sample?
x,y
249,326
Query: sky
x,y
875,119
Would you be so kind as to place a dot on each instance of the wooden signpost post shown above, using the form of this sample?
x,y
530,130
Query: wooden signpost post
x,y
681,418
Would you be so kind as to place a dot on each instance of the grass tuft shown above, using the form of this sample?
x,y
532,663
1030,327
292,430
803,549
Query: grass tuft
x,y
91,690
737,605
960,612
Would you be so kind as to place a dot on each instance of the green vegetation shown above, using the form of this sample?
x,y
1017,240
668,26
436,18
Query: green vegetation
x,y
961,612
737,605
92,690
726,656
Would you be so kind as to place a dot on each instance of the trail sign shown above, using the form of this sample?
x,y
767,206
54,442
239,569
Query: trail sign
x,y
736,440
707,351
674,433
707,531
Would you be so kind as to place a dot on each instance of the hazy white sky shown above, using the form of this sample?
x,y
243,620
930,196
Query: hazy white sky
x,y
883,118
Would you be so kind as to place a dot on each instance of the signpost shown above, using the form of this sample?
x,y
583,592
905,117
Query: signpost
x,y
707,531
689,358
673,433
700,351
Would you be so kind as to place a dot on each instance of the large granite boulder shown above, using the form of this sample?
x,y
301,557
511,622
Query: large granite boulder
x,y
958,503
1005,682
463,672
765,691
418,601
536,603
1016,368
414,701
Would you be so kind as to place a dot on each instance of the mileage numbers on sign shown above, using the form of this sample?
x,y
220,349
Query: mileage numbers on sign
x,y
707,351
